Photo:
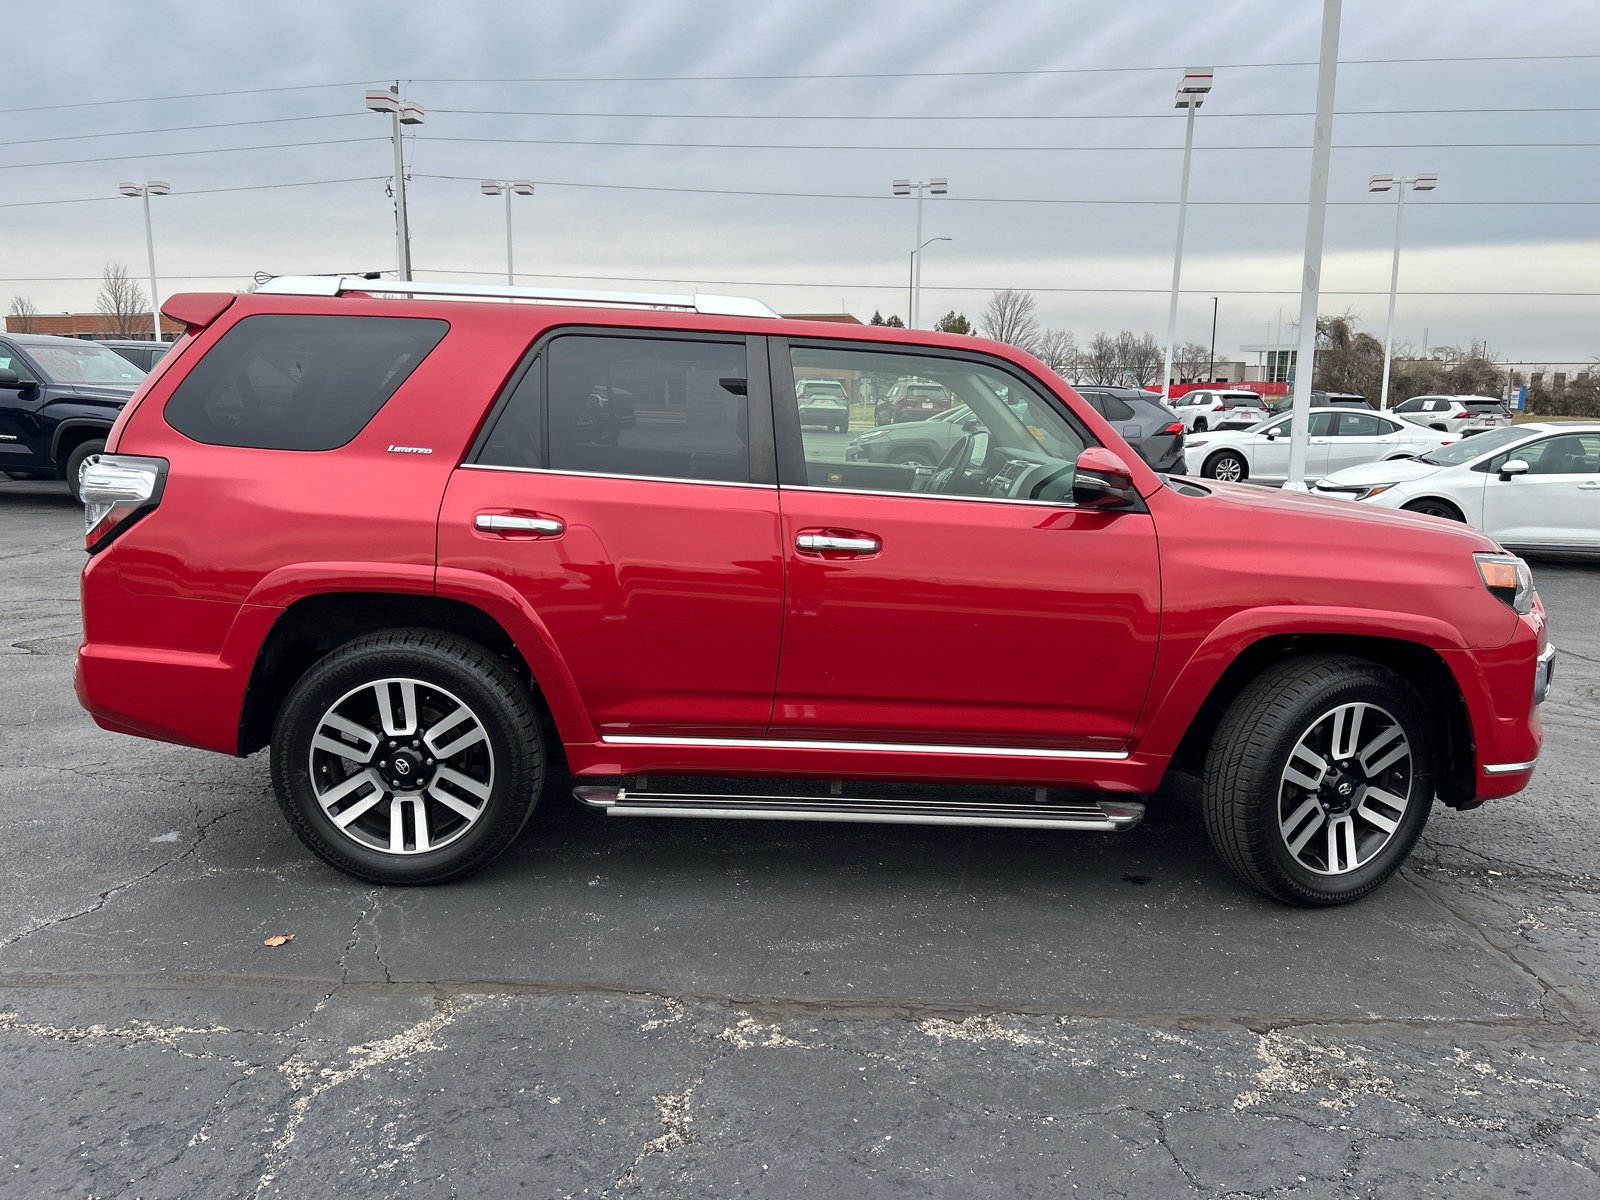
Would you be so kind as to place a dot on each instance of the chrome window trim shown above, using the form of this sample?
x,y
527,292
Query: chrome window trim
x,y
1068,505
884,747
772,487
1509,768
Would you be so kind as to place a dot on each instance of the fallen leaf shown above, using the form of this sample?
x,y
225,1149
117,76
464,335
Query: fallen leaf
x,y
279,940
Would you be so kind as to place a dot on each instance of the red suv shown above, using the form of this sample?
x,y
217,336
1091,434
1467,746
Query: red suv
x,y
410,542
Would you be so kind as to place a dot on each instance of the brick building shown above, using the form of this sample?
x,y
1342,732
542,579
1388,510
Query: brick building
x,y
93,326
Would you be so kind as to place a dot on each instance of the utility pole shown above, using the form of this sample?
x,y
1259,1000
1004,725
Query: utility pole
x,y
903,187
387,100
1311,272
1211,367
509,188
1382,183
1192,89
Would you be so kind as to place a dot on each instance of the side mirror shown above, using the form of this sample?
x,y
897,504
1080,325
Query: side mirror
x,y
1513,466
8,379
1102,480
1272,435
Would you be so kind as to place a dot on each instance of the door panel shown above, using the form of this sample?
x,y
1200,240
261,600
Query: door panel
x,y
663,597
918,612
1557,503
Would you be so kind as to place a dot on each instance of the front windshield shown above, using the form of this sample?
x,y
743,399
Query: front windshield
x,y
1473,447
84,363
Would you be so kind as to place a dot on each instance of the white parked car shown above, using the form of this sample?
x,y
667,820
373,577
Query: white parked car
x,y
1340,437
1454,414
1531,487
1218,408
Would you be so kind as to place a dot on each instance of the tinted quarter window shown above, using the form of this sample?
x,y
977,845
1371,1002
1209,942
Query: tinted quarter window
x,y
1114,410
668,408
517,439
284,382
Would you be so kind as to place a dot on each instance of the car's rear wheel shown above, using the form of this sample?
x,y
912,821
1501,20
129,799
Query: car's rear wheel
x,y
1200,425
408,757
1319,779
82,456
1435,508
1228,466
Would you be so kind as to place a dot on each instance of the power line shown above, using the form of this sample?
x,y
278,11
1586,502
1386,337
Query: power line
x,y
637,187
254,187
302,87
1045,71
70,162
1149,116
962,149
78,137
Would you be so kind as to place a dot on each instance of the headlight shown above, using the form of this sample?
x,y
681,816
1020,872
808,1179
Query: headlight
x,y
1507,577
1195,442
876,433
1373,491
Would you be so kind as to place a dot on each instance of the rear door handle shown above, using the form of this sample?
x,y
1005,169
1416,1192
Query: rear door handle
x,y
502,523
823,541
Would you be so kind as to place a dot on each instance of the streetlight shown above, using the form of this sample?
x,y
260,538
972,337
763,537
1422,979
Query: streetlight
x,y
1382,183
387,100
495,187
145,191
1192,91
903,187
914,276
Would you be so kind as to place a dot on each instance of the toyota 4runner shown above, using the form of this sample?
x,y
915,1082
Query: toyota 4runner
x,y
398,533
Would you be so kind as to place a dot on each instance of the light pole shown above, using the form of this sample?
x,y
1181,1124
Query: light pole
x,y
145,191
1382,183
1211,367
496,187
1192,91
914,278
387,100
903,187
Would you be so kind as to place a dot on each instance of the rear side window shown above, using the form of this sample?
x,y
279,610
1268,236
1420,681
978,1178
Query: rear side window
x,y
667,408
1115,410
284,382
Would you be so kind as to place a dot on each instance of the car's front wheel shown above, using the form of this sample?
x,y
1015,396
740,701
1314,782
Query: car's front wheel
x,y
1200,425
1228,466
1319,779
1435,508
407,757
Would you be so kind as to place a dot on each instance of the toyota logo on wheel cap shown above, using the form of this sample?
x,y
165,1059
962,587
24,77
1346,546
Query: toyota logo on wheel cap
x,y
402,767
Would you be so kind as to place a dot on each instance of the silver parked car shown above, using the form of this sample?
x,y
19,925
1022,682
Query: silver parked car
x,y
1339,438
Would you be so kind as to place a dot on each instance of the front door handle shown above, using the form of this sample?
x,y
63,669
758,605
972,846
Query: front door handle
x,y
823,541
1589,485
502,523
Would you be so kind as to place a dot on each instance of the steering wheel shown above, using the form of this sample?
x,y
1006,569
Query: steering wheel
x,y
953,458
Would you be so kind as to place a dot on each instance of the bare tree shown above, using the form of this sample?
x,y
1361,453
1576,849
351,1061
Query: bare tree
x,y
1138,358
1008,317
1058,349
1191,360
1099,361
23,317
122,302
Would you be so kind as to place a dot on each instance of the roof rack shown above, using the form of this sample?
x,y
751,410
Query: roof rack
x,y
338,285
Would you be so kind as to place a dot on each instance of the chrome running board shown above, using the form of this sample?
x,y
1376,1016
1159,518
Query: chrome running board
x,y
1104,816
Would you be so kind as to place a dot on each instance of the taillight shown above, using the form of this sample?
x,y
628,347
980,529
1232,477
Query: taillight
x,y
1508,579
117,489
1460,416
1175,427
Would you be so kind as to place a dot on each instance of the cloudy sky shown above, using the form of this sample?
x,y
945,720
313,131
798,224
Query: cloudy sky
x,y
750,148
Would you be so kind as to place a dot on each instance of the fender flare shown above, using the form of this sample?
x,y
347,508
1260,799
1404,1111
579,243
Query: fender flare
x,y
1181,702
70,424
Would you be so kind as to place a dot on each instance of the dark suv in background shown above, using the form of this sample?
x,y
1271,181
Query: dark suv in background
x,y
142,354
1145,423
58,400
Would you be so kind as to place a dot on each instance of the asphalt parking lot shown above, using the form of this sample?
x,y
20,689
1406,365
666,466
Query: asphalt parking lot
x,y
684,1008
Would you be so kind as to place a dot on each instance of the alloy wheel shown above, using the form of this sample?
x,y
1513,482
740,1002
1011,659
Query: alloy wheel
x,y
1345,788
401,766
1228,469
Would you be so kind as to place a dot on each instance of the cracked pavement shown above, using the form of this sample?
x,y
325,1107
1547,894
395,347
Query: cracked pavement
x,y
716,1009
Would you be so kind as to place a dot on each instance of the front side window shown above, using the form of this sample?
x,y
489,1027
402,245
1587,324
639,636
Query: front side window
x,y
1568,454
1001,438
1321,425
286,382
658,407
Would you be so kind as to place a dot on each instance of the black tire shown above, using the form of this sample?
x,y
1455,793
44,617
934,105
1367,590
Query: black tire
x,y
75,461
1215,467
913,458
1200,425
1245,786
1435,508
461,669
